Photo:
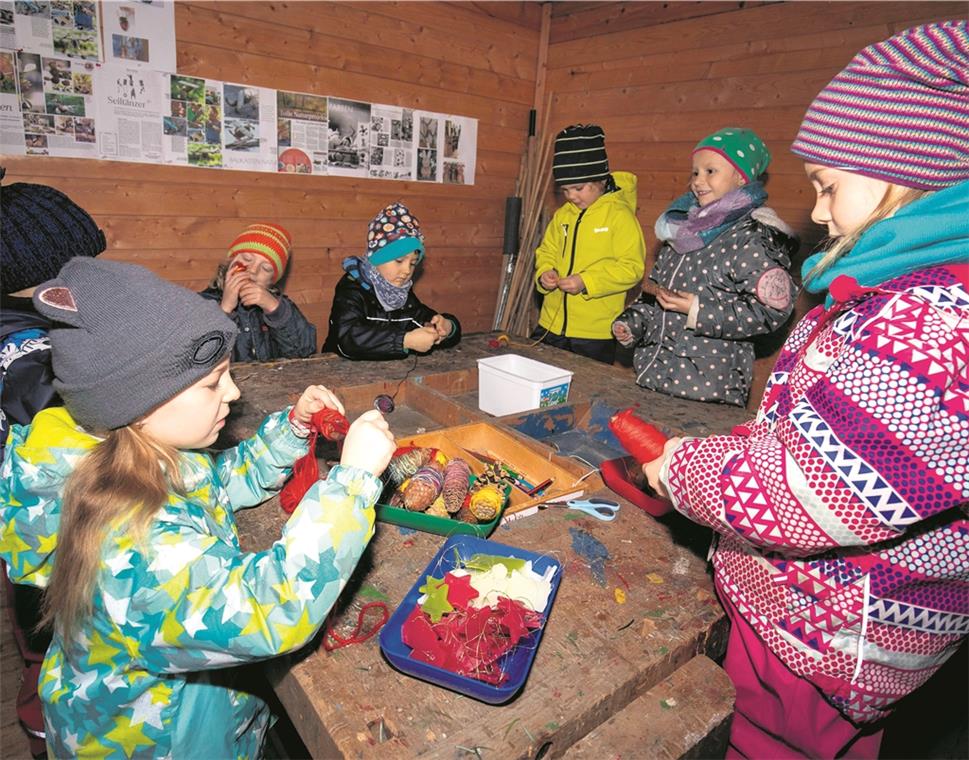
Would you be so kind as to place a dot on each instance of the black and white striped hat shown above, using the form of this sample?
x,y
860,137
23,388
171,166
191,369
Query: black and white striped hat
x,y
580,155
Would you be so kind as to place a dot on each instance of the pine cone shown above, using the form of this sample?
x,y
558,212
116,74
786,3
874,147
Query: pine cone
x,y
437,508
485,503
403,466
456,475
425,486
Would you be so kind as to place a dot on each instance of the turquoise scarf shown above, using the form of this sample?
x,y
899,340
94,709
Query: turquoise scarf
x,y
928,232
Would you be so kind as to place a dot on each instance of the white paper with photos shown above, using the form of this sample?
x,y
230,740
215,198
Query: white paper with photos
x,y
192,121
64,28
392,153
11,121
139,34
248,128
130,107
459,147
57,105
8,31
301,133
428,138
348,141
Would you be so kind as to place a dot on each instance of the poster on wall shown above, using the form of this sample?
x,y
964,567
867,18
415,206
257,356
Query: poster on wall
x,y
130,108
57,27
301,133
57,106
459,148
248,128
11,122
192,121
139,33
348,137
430,128
8,32
391,142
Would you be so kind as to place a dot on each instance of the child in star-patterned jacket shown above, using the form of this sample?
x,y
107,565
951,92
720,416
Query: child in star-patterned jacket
x,y
720,278
112,504
841,509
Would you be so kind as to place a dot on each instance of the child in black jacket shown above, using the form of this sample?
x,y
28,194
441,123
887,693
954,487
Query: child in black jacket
x,y
375,313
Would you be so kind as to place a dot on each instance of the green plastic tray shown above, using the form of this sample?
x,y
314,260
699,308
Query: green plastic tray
x,y
442,526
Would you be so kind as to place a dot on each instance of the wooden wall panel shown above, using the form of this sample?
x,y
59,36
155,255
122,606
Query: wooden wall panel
x,y
660,76
472,59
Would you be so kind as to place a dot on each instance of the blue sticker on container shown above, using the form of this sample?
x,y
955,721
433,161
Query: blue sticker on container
x,y
557,394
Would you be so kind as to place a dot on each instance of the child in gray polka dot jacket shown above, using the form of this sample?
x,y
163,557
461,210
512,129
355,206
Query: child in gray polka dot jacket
x,y
720,278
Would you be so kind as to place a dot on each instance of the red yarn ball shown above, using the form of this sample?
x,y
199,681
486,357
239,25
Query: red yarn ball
x,y
639,438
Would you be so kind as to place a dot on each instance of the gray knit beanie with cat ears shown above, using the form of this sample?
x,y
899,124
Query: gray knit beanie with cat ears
x,y
126,341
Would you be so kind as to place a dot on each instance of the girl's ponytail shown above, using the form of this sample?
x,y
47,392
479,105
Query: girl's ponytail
x,y
119,486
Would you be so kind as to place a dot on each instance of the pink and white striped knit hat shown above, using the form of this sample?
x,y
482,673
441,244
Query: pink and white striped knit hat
x,y
898,112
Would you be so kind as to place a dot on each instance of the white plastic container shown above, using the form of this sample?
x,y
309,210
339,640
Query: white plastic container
x,y
510,383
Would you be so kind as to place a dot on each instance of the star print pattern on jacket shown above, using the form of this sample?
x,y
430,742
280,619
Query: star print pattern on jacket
x,y
743,289
140,676
842,508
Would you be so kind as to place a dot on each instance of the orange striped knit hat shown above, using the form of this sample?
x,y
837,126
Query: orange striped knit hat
x,y
270,241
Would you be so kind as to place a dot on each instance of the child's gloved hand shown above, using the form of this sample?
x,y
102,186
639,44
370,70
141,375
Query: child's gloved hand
x,y
235,277
651,469
369,444
622,333
442,325
314,398
573,284
422,339
549,279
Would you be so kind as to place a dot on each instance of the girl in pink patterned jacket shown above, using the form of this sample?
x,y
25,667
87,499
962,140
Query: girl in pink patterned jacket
x,y
843,551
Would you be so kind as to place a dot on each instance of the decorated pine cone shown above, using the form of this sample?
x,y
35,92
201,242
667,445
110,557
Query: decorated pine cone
x,y
485,503
396,499
456,475
405,465
424,487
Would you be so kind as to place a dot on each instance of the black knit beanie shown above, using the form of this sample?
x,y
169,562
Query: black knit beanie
x,y
40,230
580,155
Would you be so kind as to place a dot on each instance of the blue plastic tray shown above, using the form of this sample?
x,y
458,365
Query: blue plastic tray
x,y
516,663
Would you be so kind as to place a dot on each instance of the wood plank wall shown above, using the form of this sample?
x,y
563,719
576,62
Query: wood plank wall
x,y
473,59
659,77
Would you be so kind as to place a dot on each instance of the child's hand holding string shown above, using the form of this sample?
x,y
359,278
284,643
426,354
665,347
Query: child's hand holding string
x,y
422,339
314,398
442,325
573,284
651,469
549,279
369,444
675,300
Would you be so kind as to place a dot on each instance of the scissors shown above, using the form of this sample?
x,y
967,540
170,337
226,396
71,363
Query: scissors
x,y
601,509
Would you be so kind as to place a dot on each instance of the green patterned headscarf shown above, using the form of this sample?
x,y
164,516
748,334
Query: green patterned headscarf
x,y
744,150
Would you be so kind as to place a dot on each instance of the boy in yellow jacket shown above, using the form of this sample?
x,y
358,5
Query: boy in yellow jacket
x,y
593,249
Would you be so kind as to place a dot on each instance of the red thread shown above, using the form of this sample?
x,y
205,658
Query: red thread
x,y
331,425
639,438
356,637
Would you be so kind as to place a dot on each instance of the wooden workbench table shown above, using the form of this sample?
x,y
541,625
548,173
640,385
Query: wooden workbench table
x,y
635,602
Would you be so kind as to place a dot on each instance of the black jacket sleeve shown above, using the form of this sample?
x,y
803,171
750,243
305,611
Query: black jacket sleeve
x,y
354,335
426,314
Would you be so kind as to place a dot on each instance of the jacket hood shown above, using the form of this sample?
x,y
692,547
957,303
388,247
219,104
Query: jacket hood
x,y
626,194
39,459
